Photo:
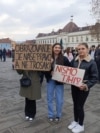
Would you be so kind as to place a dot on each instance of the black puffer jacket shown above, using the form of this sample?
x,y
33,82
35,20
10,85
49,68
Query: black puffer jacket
x,y
91,72
97,55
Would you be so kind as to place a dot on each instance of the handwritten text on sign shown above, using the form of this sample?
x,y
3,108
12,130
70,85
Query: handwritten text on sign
x,y
68,75
33,57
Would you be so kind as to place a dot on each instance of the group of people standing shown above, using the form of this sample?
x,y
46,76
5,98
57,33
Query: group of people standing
x,y
55,89
3,54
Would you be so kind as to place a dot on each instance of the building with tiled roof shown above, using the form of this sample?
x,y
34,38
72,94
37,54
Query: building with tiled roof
x,y
71,35
30,42
7,43
70,27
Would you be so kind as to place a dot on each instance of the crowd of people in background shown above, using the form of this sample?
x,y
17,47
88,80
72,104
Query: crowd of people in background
x,y
5,53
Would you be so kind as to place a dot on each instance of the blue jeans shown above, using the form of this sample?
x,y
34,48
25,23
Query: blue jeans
x,y
55,92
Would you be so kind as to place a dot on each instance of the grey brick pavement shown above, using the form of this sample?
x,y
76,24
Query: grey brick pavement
x,y
12,106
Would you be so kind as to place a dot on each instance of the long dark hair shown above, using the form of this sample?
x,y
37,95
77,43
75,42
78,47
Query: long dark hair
x,y
60,59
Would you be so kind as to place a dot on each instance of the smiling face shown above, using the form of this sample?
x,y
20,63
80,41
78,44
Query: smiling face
x,y
82,50
57,49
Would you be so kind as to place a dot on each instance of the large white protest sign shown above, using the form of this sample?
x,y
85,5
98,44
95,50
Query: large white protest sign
x,y
70,75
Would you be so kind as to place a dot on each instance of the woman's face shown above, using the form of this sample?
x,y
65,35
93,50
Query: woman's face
x,y
82,50
57,49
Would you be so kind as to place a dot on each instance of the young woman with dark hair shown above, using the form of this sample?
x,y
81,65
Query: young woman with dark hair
x,y
55,89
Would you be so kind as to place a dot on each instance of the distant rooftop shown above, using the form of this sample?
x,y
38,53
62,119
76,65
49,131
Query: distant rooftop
x,y
30,41
68,28
5,40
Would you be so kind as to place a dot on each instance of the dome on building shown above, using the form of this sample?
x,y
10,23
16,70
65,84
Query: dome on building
x,y
70,27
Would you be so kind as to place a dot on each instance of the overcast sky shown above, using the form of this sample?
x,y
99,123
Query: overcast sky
x,y
22,20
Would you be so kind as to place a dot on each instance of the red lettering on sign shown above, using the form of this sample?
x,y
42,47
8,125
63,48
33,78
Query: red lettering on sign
x,y
71,79
58,68
73,71
66,70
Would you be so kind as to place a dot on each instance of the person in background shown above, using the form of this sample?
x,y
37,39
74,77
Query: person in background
x,y
74,52
1,54
80,93
92,52
55,89
13,57
97,59
4,54
68,54
31,93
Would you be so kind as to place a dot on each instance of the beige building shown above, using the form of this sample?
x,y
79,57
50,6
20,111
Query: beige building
x,y
71,35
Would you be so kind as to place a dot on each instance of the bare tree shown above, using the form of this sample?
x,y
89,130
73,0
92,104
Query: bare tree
x,y
95,29
96,9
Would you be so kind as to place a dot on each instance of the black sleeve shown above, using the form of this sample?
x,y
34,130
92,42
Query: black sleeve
x,y
93,77
72,63
66,61
20,71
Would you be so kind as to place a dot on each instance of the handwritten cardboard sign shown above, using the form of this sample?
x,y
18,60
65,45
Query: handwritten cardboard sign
x,y
70,75
33,57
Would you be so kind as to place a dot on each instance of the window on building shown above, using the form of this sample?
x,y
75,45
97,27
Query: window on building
x,y
72,39
92,39
68,39
81,38
77,39
87,38
65,40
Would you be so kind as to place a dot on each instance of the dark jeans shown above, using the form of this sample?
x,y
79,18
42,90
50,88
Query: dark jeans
x,y
4,57
1,57
41,77
79,97
30,108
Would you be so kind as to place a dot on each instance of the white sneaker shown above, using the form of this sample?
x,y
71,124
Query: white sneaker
x,y
78,129
51,119
72,125
30,119
26,118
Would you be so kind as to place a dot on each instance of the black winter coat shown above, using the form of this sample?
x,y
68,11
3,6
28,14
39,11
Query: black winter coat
x,y
91,72
97,55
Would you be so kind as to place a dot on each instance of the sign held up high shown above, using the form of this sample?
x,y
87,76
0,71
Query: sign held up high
x,y
33,57
69,75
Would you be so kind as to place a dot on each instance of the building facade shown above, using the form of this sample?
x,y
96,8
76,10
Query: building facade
x,y
71,35
7,43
